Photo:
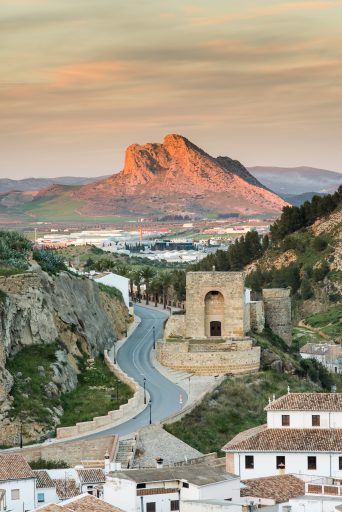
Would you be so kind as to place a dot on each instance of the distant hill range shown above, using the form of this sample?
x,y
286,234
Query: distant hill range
x,y
31,184
174,177
297,180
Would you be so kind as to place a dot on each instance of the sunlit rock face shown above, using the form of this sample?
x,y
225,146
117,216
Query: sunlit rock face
x,y
178,177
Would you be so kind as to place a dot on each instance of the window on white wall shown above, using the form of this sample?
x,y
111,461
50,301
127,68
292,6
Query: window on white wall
x,y
280,462
340,463
249,462
312,462
151,506
15,494
285,420
316,420
41,497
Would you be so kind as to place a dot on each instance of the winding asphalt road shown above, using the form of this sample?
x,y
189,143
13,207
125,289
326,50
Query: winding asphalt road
x,y
134,358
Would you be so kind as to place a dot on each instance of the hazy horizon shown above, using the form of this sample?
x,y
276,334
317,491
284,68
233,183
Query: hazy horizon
x,y
81,81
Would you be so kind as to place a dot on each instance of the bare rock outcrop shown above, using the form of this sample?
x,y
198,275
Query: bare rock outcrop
x,y
39,309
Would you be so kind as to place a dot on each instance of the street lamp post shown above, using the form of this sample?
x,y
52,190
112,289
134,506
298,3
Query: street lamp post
x,y
144,390
114,348
154,337
117,389
21,434
150,404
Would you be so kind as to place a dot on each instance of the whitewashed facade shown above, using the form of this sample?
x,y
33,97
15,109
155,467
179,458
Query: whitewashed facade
x,y
303,435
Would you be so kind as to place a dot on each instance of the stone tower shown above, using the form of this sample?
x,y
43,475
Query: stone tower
x,y
215,304
277,304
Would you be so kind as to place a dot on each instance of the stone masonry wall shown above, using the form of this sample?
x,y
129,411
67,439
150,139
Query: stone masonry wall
x,y
178,356
175,326
277,303
257,316
231,286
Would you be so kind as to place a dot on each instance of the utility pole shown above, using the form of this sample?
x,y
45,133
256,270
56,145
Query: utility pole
x,y
144,390
21,434
154,337
150,404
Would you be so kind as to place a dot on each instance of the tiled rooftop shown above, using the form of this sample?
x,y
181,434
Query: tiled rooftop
x,y
288,440
66,488
91,476
307,402
43,480
84,503
197,474
279,488
14,467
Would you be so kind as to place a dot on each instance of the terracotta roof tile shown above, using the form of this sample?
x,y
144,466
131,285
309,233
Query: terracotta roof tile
x,y
43,480
280,488
14,467
91,476
84,503
289,440
88,503
66,488
307,402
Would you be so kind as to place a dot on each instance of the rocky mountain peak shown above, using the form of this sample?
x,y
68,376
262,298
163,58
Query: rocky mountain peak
x,y
178,176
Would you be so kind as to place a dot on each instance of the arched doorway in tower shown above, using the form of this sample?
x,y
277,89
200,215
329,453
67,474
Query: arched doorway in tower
x,y
213,313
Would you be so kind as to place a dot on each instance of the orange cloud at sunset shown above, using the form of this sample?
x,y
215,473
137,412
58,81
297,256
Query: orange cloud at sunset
x,y
80,81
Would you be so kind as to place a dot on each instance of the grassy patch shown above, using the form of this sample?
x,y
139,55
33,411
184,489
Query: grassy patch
x,y
236,405
94,395
30,399
7,271
329,321
111,291
302,336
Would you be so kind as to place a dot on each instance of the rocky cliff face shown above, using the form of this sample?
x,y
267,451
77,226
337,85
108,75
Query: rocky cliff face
x,y
37,309
178,177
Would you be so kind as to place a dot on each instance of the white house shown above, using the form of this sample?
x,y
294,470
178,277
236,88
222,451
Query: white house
x,y
82,503
119,282
17,481
162,490
303,435
45,488
327,354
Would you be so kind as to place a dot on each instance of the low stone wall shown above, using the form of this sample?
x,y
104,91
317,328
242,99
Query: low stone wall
x,y
72,452
217,362
126,411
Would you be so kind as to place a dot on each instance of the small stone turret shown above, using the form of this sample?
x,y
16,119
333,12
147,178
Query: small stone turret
x,y
277,305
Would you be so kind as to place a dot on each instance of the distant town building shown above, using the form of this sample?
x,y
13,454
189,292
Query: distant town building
x,y
329,355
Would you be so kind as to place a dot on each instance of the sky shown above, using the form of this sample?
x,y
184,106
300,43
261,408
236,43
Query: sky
x,y
80,80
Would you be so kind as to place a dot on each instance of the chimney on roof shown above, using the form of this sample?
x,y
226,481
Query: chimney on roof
x,y
273,397
159,462
214,268
107,463
288,390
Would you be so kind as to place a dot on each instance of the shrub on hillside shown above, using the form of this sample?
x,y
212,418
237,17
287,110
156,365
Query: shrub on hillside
x,y
49,261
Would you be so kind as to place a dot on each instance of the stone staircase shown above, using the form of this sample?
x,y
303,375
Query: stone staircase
x,y
126,451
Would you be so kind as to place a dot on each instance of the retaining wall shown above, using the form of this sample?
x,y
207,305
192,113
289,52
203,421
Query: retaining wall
x,y
126,411
179,357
